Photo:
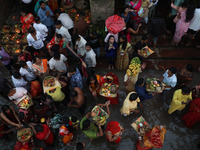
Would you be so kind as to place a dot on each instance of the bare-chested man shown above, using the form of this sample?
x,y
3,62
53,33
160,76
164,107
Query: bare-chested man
x,y
77,99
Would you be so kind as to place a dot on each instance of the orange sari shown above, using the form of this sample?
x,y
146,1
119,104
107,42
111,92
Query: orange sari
x,y
44,67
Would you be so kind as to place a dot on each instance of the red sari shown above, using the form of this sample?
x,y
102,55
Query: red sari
x,y
113,128
26,22
136,8
46,135
193,115
22,146
152,139
36,89
102,80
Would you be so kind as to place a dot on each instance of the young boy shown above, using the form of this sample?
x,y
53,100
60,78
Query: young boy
x,y
90,57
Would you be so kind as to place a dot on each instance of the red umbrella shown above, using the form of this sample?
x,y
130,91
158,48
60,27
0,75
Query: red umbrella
x,y
115,24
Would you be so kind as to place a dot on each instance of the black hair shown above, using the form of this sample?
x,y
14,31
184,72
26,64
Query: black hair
x,y
186,90
126,6
173,70
29,49
133,97
107,44
59,11
81,15
190,10
31,30
58,22
22,63
88,44
73,93
75,37
37,19
55,48
38,128
66,121
140,81
94,33
59,36
86,124
144,37
41,2
23,11
72,69
37,106
56,55
124,44
16,75
79,146
189,67
74,119
34,58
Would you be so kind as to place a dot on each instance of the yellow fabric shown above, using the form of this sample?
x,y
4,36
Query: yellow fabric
x,y
58,95
131,85
145,5
176,103
129,106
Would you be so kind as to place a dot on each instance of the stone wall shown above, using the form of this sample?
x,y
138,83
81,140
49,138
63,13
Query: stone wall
x,y
101,9
5,9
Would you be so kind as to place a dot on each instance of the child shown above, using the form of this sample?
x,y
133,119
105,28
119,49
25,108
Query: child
x,y
94,85
66,130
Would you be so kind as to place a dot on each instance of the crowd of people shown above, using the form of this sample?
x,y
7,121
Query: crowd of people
x,y
68,52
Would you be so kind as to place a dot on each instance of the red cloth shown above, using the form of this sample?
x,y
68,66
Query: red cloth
x,y
22,146
193,115
46,135
136,9
26,22
114,128
103,80
53,42
36,89
115,24
138,146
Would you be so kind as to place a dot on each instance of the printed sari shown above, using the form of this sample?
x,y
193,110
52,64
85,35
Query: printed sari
x,y
26,22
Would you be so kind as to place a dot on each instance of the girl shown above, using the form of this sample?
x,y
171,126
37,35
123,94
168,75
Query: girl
x,y
111,48
123,53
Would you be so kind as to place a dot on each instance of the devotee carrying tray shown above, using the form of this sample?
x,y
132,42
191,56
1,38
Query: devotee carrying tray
x,y
146,51
141,126
134,67
24,135
154,85
108,90
50,83
25,102
99,115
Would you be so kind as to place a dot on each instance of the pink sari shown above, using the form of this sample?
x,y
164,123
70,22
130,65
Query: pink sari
x,y
181,28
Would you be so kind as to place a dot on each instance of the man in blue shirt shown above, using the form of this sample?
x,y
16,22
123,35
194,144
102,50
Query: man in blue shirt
x,y
140,88
45,15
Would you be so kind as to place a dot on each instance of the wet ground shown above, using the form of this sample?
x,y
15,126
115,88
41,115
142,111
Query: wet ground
x,y
178,137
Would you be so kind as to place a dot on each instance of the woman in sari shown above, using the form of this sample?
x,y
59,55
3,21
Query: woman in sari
x,y
26,20
182,20
152,139
185,76
123,53
110,78
193,115
43,133
135,6
40,67
114,132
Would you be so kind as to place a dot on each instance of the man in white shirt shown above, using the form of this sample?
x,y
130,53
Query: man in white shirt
x,y
35,39
26,71
169,78
19,81
79,44
90,57
65,20
58,63
60,29
40,27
